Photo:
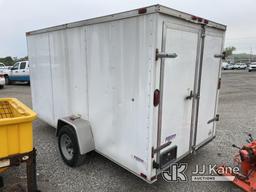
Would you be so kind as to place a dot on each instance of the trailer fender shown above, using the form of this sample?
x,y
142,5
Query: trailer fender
x,y
83,132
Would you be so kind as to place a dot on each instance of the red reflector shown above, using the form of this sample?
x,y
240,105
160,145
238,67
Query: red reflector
x,y
143,175
1,75
219,83
206,21
142,10
156,97
199,19
28,33
153,178
194,18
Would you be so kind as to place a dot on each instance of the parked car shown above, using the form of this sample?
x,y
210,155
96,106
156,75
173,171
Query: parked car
x,y
236,66
2,66
252,67
5,71
240,66
224,65
2,81
19,72
228,67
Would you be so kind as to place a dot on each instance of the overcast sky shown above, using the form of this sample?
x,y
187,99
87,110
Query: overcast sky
x,y
20,16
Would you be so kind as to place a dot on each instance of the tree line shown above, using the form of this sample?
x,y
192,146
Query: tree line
x,y
9,61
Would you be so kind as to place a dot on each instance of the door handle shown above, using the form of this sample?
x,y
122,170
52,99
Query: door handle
x,y
16,71
192,95
23,71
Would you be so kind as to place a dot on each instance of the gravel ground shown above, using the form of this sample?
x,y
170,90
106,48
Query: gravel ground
x,y
237,111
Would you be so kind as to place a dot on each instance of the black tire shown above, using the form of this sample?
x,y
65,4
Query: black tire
x,y
72,158
1,86
249,70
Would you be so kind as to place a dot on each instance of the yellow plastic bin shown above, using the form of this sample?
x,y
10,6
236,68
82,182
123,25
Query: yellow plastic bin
x,y
16,134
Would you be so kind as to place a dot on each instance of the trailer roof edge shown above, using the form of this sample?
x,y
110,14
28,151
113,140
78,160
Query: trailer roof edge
x,y
127,14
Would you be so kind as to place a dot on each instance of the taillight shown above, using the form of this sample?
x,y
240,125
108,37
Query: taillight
x,y
1,75
206,21
194,18
199,19
142,10
156,97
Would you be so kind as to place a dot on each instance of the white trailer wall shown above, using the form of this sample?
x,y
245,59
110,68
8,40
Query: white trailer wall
x,y
41,77
58,74
103,72
120,60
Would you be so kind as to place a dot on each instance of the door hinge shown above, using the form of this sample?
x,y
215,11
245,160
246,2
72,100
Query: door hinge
x,y
164,55
217,118
156,150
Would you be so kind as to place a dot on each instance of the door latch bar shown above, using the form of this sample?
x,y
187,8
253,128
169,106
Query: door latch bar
x,y
222,56
165,55
156,150
217,118
192,95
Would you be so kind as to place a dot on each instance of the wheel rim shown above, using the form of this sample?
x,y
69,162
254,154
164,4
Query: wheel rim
x,y
66,147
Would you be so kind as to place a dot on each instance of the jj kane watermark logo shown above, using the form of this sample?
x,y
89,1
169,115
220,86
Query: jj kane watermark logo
x,y
177,173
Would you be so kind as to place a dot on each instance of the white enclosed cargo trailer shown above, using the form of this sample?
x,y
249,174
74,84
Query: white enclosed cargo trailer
x,y
139,87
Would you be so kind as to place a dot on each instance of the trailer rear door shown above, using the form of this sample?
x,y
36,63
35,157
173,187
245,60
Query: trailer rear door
x,y
205,129
177,83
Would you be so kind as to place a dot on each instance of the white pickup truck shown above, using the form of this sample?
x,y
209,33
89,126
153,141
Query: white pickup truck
x,y
18,72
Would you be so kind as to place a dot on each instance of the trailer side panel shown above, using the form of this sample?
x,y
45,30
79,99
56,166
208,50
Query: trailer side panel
x,y
120,59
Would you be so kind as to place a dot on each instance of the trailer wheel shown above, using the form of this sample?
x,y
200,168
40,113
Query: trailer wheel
x,y
69,147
